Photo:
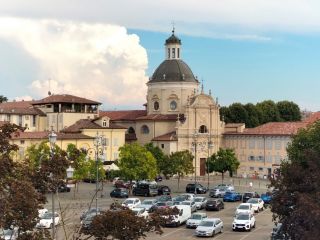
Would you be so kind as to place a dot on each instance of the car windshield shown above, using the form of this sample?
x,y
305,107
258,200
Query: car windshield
x,y
206,224
212,202
243,207
47,216
252,200
129,201
199,199
243,217
161,204
196,216
153,186
186,203
147,202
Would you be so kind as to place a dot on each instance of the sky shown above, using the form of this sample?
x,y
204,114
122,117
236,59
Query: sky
x,y
243,51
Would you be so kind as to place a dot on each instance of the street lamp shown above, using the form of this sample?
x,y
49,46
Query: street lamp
x,y
52,141
194,147
210,146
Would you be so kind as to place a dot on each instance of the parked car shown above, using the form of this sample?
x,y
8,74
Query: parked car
x,y
119,193
131,202
191,204
9,234
232,197
209,227
46,221
145,189
158,178
86,222
42,211
247,195
90,211
195,219
215,204
244,221
164,198
63,188
148,203
257,204
196,188
178,199
228,187
200,202
266,197
182,217
140,212
278,234
244,208
189,196
163,190
217,192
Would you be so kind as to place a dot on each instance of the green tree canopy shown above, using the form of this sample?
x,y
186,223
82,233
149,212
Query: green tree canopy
x,y
222,161
254,115
181,163
158,155
297,186
238,113
269,111
289,111
136,162
3,99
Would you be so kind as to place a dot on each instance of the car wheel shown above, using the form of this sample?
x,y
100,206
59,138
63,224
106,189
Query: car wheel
x,y
254,225
51,225
213,233
221,230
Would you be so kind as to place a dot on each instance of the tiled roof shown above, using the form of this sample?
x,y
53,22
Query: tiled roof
x,y
159,117
273,128
89,124
129,115
20,108
64,98
171,136
312,118
44,135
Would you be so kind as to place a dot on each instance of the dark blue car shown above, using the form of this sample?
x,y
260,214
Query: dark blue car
x,y
232,197
266,197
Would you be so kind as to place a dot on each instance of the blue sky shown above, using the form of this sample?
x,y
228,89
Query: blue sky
x,y
244,51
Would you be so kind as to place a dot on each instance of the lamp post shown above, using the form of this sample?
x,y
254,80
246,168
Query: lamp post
x,y
210,146
52,141
194,147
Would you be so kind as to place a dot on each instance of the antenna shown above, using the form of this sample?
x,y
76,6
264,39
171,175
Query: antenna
x,y
172,27
49,92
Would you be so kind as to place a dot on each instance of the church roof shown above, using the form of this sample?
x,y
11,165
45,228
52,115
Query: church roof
x,y
64,98
159,117
173,70
173,39
44,135
128,115
89,124
20,108
171,136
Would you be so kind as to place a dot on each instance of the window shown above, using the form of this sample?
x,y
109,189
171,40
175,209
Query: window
x,y
20,120
144,129
260,169
277,144
251,168
251,158
21,141
173,53
8,117
203,129
26,117
178,54
252,144
104,123
162,145
168,52
269,144
260,158
156,105
173,105
33,120
131,130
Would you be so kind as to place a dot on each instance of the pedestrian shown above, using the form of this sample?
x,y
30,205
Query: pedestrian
x,y
250,185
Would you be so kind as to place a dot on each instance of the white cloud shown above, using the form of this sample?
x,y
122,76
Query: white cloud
x,y
215,18
97,61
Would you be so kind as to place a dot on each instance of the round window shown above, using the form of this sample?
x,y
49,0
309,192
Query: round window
x,y
156,106
173,105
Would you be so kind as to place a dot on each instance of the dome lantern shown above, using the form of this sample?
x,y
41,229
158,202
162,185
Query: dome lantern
x,y
173,47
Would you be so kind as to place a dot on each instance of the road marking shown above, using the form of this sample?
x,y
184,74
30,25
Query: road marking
x,y
169,233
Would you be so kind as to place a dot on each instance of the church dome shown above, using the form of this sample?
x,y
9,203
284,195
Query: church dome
x,y
173,39
173,71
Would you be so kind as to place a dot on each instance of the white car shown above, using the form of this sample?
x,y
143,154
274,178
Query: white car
x,y
46,221
131,202
195,220
245,208
140,212
41,212
191,204
209,227
244,221
257,204
189,196
9,234
200,202
148,203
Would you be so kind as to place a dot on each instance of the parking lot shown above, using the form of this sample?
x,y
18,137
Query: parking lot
x,y
73,205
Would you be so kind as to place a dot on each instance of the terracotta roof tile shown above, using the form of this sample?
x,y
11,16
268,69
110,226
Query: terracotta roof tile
x,y
44,135
312,118
129,115
89,124
20,108
64,98
159,117
171,136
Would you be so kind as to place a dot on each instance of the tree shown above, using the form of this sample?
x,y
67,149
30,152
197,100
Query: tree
x,y
222,161
289,111
225,114
238,113
136,162
269,111
3,99
297,186
253,115
158,155
181,163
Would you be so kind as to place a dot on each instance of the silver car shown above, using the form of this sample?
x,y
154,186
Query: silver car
x,y
200,202
192,205
218,192
209,227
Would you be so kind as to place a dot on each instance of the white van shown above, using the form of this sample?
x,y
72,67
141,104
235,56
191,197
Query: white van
x,y
182,217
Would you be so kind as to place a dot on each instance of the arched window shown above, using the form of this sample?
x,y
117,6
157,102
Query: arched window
x,y
104,123
203,129
131,130
144,129
156,105
173,105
